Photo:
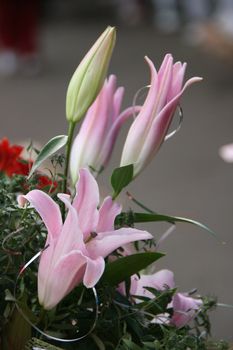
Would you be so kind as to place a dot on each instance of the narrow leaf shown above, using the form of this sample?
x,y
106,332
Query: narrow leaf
x,y
51,147
120,178
145,217
122,268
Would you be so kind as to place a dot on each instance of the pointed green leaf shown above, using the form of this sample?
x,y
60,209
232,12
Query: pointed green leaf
x,y
122,268
120,178
51,147
145,217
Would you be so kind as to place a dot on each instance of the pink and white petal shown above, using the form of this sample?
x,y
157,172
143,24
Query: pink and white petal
x,y
71,236
94,271
117,101
139,129
185,309
165,80
46,265
82,152
160,280
86,202
107,214
159,130
226,153
177,80
111,137
67,274
166,60
48,210
106,242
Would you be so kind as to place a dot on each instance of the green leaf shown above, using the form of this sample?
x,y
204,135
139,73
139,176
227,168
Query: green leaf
x,y
51,147
145,217
131,345
122,268
120,178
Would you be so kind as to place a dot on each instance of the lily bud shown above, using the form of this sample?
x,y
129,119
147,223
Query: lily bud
x,y
94,143
150,127
88,78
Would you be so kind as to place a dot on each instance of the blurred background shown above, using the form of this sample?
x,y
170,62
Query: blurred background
x,y
42,42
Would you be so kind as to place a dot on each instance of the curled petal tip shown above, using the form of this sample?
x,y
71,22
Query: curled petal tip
x,y
21,201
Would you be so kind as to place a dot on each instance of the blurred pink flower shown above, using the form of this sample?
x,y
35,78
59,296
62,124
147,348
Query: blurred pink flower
x,y
160,280
226,153
185,308
94,143
76,248
149,128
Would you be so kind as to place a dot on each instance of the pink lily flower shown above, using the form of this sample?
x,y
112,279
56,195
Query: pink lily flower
x,y
185,308
94,143
160,280
149,128
76,248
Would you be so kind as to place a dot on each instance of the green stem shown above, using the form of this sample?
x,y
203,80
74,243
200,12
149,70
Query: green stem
x,y
68,149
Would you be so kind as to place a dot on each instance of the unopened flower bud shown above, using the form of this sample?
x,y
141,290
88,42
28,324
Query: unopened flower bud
x,y
88,78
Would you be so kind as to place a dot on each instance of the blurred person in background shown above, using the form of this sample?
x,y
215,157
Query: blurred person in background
x,y
167,15
18,36
131,12
218,32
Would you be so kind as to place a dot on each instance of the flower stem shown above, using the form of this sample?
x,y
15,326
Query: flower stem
x,y
68,149
67,160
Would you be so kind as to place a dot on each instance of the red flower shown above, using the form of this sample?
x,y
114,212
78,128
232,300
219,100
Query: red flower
x,y
45,181
10,160
11,163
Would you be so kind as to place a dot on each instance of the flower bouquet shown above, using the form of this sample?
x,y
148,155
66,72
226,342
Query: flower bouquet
x,y
76,272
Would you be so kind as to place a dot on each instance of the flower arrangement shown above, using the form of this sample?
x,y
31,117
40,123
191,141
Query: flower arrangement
x,y
76,273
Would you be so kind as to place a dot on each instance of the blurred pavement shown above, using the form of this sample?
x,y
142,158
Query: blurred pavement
x,y
187,178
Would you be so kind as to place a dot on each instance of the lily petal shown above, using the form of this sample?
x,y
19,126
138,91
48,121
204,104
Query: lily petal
x,y
67,273
71,236
160,280
107,214
159,129
93,272
86,202
185,309
48,210
106,242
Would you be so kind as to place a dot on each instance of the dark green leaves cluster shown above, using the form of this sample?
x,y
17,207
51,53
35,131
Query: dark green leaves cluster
x,y
122,323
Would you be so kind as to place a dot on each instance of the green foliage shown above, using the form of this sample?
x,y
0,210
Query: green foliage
x,y
51,147
122,268
122,324
155,217
120,178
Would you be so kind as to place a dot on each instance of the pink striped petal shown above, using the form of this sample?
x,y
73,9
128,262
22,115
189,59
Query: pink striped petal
x,y
160,280
165,80
158,130
48,210
185,309
86,202
139,129
117,101
93,272
111,137
177,80
71,236
107,214
67,273
106,242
